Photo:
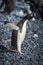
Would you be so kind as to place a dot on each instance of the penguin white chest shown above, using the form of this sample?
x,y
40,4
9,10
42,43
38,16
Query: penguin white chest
x,y
21,36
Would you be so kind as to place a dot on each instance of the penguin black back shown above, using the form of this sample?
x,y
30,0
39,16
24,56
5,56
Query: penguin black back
x,y
14,39
20,24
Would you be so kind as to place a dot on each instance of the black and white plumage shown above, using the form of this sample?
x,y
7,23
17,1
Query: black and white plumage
x,y
18,34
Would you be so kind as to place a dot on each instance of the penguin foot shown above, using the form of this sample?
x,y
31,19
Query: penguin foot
x,y
21,52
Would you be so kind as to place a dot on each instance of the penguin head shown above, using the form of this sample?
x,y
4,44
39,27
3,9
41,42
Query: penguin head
x,y
29,16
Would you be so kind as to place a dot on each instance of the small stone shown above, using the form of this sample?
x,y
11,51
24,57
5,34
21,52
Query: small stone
x,y
21,13
33,19
35,36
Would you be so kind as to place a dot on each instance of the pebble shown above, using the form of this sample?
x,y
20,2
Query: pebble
x,y
35,36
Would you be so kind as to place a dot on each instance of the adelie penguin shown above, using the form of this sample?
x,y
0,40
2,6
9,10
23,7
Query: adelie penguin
x,y
9,6
18,34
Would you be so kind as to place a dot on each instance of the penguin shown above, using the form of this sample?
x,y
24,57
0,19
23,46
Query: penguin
x,y
9,6
18,33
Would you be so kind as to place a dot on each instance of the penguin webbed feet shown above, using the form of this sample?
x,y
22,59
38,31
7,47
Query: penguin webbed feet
x,y
20,52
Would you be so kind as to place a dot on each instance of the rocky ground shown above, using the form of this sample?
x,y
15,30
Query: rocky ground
x,y
32,45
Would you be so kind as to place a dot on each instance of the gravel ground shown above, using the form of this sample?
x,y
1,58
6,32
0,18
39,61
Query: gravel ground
x,y
32,45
